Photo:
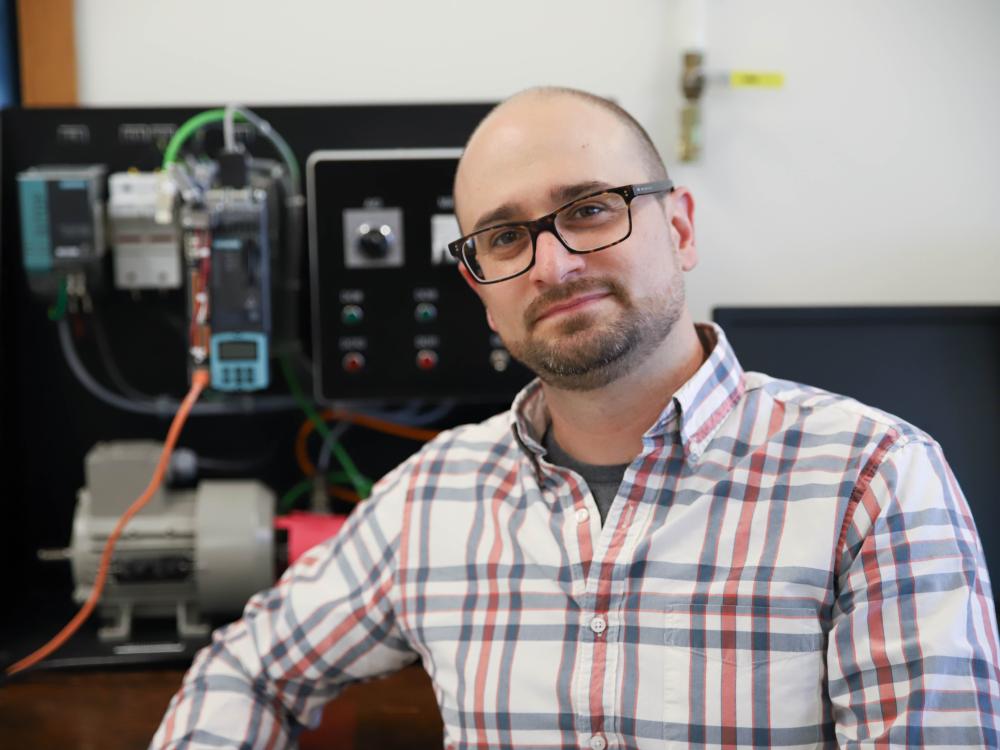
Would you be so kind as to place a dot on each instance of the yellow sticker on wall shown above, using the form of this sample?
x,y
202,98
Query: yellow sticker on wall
x,y
742,79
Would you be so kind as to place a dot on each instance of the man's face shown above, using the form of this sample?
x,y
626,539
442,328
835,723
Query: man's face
x,y
578,321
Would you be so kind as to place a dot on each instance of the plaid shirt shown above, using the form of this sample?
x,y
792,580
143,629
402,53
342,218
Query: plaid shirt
x,y
781,567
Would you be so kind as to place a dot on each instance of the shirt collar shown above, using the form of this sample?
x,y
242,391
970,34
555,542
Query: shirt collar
x,y
701,404
709,395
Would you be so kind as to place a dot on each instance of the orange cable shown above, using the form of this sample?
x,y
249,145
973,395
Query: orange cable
x,y
343,493
199,381
383,425
374,423
301,453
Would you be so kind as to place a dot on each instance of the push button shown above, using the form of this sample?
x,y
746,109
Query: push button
x,y
351,315
353,362
500,359
427,359
425,312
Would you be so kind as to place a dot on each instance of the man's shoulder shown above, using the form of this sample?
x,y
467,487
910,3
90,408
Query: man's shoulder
x,y
450,457
464,442
823,409
493,430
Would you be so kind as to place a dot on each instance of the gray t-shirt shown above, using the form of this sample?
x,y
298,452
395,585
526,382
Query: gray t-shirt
x,y
603,480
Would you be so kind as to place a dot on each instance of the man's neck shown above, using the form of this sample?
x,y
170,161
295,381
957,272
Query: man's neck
x,y
606,425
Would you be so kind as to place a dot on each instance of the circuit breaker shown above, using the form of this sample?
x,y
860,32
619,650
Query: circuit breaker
x,y
145,236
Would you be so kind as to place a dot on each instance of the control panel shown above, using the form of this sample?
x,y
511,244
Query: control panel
x,y
392,317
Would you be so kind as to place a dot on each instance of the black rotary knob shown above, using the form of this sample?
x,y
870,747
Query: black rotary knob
x,y
374,242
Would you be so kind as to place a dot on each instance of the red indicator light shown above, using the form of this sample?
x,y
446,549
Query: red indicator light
x,y
354,362
427,359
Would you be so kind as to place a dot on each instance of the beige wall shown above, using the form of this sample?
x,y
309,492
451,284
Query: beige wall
x,y
873,177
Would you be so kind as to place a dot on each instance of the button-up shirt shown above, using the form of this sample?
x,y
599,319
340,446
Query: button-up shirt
x,y
781,567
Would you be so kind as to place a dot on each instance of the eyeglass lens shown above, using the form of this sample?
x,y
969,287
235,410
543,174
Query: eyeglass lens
x,y
586,225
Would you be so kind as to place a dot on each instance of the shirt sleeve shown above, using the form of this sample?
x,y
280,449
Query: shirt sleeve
x,y
328,622
913,652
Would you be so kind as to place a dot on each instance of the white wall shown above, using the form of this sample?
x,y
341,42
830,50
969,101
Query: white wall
x,y
872,177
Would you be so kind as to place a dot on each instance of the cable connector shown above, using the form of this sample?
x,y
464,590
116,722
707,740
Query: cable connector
x,y
233,169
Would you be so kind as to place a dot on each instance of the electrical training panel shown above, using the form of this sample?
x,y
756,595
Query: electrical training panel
x,y
163,240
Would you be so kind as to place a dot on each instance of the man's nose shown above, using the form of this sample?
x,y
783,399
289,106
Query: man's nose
x,y
554,264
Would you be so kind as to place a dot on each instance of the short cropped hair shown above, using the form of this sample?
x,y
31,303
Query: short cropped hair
x,y
650,155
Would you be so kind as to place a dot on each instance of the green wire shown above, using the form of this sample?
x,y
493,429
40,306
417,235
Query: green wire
x,y
184,132
217,115
288,499
362,484
58,310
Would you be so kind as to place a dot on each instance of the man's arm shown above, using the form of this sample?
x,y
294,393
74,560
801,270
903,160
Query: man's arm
x,y
913,652
329,621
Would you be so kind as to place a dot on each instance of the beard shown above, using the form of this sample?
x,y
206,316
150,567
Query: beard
x,y
584,351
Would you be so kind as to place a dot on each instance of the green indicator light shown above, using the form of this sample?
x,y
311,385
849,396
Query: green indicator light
x,y
351,315
425,312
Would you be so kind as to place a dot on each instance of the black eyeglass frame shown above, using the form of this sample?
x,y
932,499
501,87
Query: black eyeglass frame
x,y
547,223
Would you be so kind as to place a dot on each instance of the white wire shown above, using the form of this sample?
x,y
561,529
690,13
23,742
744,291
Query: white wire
x,y
264,128
229,128
164,406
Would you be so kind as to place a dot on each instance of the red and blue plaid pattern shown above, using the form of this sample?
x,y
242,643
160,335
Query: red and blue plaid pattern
x,y
782,567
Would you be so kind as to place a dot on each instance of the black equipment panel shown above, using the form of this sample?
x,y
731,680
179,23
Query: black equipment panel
x,y
48,420
394,318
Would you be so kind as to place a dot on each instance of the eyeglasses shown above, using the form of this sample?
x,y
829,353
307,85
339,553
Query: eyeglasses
x,y
585,225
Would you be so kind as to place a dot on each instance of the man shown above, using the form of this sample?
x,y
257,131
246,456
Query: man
x,y
654,548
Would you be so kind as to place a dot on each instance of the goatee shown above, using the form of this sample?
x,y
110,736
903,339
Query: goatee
x,y
582,352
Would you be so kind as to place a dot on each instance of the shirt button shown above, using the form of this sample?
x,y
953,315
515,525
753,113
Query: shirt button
x,y
598,743
599,625
582,514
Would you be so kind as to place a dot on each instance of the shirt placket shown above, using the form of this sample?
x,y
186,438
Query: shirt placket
x,y
599,617
581,529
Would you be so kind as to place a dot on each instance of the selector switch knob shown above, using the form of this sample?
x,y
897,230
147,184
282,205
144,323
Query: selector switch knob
x,y
375,242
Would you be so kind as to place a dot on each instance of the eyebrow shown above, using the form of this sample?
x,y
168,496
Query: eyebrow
x,y
560,195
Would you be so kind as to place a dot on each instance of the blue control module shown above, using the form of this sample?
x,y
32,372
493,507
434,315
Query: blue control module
x,y
239,361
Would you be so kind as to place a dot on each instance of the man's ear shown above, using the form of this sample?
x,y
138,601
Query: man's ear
x,y
478,289
468,279
682,227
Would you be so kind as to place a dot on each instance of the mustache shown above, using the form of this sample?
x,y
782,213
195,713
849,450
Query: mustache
x,y
554,296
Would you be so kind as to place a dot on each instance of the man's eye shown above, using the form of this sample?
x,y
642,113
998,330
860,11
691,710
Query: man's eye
x,y
588,210
506,238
